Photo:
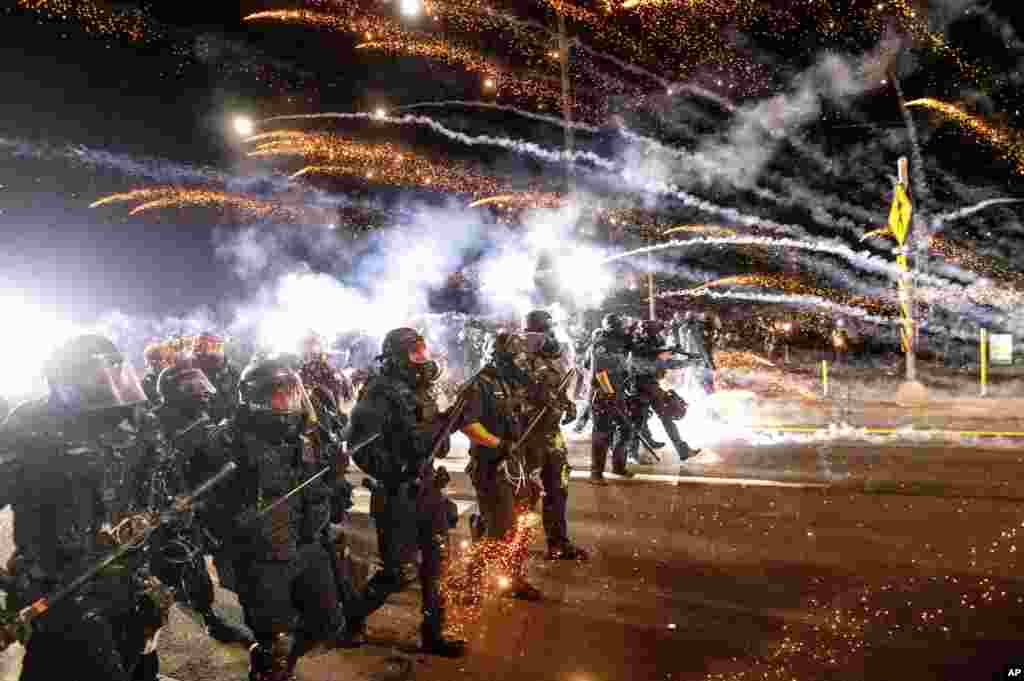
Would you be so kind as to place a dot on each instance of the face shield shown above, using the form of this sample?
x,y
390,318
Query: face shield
x,y
101,382
280,394
419,354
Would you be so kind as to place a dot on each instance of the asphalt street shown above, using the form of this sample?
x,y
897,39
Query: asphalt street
x,y
785,558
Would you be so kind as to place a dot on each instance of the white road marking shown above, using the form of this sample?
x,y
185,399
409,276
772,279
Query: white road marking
x,y
361,503
700,479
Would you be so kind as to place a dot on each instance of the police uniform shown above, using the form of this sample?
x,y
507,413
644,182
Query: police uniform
x,y
409,511
282,571
609,358
72,471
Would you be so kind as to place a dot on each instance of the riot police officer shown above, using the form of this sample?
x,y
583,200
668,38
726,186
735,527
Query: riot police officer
x,y
609,356
75,473
280,564
208,354
494,418
649,362
549,367
158,355
407,506
179,550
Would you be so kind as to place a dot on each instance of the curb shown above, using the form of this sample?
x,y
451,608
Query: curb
x,y
887,431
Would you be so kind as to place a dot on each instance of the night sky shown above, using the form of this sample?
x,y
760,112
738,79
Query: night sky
x,y
64,83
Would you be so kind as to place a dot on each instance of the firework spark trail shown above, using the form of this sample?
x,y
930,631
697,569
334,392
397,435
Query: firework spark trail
x,y
486,563
939,220
385,162
553,120
1010,146
520,146
528,199
167,197
388,35
94,18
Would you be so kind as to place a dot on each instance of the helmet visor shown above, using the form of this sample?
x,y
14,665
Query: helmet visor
x,y
281,395
420,354
101,383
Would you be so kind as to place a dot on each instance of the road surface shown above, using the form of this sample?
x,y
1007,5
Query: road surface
x,y
820,560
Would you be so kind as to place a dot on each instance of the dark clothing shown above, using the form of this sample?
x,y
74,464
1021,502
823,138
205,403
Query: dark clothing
x,y
225,402
546,446
649,362
179,550
501,486
280,568
610,353
408,510
65,478
149,383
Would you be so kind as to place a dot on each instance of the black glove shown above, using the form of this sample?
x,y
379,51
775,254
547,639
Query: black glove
x,y
570,413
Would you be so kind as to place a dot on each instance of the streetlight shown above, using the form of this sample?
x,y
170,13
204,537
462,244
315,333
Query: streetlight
x,y
410,8
244,126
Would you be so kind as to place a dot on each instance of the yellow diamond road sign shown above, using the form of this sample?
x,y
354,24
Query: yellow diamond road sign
x,y
899,214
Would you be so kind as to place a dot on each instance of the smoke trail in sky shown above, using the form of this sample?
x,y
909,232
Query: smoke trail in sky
x,y
553,120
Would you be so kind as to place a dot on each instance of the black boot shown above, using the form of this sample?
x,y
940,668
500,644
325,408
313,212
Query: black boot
x,y
598,456
522,590
683,450
432,636
354,633
566,550
148,669
271,661
225,632
645,432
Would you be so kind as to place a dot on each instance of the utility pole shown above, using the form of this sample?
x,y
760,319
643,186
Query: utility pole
x,y
907,282
650,282
563,42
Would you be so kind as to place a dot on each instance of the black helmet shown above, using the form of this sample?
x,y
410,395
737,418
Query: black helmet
x,y
509,355
614,323
404,344
539,321
271,396
89,373
402,351
185,386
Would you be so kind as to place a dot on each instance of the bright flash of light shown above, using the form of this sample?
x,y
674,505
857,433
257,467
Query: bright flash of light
x,y
504,582
380,112
33,334
464,544
244,126
582,274
295,308
410,8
